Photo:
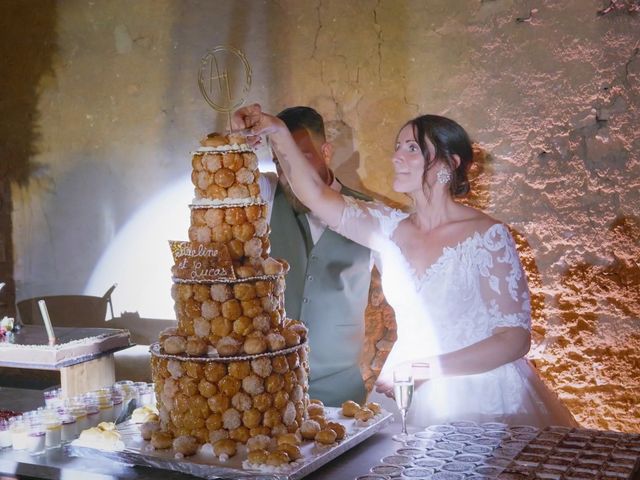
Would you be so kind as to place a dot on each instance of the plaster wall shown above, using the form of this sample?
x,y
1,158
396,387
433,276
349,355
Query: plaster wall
x,y
552,99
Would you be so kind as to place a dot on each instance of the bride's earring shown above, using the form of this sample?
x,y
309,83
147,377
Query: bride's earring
x,y
443,176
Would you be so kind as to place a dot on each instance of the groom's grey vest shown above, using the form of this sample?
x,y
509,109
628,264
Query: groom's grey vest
x,y
327,288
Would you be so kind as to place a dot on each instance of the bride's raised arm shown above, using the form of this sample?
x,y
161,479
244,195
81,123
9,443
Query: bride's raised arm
x,y
363,222
304,180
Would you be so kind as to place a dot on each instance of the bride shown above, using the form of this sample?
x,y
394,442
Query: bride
x,y
450,272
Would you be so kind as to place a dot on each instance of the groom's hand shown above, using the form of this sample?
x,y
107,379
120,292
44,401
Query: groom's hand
x,y
254,122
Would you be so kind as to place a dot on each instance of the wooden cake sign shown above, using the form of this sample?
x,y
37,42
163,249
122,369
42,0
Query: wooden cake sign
x,y
201,262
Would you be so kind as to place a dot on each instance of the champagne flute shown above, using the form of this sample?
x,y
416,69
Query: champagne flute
x,y
403,393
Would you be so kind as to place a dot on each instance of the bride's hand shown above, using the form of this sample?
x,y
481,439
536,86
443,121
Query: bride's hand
x,y
252,118
385,386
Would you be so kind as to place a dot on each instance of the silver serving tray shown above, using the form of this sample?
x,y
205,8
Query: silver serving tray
x,y
136,452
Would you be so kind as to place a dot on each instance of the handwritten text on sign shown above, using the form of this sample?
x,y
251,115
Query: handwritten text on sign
x,y
201,262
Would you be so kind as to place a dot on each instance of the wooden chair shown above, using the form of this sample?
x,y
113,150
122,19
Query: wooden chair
x,y
89,311
68,310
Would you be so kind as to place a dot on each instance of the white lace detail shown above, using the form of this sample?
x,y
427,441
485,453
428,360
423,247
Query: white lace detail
x,y
352,209
499,239
389,219
509,320
368,223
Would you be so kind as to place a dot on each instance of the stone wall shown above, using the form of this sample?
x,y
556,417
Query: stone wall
x,y
100,109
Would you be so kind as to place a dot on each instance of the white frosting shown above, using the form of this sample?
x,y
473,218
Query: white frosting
x,y
223,149
206,450
360,424
207,202
262,467
66,345
144,414
52,354
156,352
102,437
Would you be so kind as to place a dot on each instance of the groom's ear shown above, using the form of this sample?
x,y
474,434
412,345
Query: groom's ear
x,y
326,149
456,159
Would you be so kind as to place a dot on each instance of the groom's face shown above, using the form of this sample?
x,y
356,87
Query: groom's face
x,y
317,154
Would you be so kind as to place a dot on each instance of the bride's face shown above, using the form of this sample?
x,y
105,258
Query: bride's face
x,y
408,162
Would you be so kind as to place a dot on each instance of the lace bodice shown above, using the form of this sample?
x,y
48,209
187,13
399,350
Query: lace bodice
x,y
472,288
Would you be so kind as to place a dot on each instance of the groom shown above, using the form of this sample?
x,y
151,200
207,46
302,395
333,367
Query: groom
x,y
328,284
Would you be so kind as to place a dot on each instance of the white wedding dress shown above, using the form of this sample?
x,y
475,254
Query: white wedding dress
x,y
471,289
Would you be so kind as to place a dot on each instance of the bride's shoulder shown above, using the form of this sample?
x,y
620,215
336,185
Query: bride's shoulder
x,y
484,231
474,221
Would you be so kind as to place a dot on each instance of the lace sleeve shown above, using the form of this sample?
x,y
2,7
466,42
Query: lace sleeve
x,y
503,284
368,223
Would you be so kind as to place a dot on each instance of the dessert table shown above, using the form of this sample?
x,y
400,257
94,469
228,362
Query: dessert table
x,y
56,463
582,449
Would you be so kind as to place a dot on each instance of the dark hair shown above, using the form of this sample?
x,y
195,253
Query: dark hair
x,y
296,118
448,139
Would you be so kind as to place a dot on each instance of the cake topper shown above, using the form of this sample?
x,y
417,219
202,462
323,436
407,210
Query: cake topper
x,y
224,78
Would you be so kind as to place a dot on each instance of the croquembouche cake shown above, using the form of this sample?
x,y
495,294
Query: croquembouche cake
x,y
234,367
